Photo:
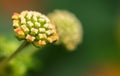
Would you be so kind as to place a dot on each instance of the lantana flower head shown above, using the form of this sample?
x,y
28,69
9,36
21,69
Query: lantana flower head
x,y
34,27
69,28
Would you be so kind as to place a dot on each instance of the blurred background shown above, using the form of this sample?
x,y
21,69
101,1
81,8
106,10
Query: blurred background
x,y
98,55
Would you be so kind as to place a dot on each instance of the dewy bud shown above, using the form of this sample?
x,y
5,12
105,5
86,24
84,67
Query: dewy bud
x,y
68,28
34,27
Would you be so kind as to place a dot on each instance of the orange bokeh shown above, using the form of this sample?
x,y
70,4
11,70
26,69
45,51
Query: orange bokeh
x,y
105,70
20,5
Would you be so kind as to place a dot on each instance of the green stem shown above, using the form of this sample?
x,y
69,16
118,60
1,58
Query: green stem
x,y
4,62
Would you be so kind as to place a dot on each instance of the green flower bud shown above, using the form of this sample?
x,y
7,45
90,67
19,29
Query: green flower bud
x,y
34,27
68,28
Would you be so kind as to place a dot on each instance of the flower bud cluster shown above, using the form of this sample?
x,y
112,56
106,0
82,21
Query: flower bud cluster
x,y
68,27
34,27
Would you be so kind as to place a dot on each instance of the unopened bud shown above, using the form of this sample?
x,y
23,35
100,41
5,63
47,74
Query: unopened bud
x,y
34,27
68,27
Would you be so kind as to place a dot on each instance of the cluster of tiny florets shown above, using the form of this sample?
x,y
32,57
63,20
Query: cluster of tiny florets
x,y
34,27
68,27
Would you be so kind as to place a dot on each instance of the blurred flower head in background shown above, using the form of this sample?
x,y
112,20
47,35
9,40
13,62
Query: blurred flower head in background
x,y
69,28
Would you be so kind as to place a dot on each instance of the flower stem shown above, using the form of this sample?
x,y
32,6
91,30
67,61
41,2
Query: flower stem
x,y
4,62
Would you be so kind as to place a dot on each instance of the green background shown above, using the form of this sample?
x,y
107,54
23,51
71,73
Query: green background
x,y
99,19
